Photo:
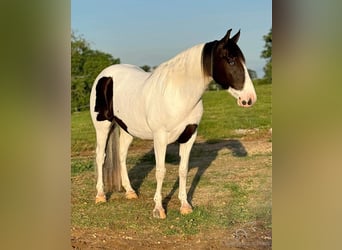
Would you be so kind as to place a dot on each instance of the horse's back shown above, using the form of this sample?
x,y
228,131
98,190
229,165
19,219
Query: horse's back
x,y
125,78
123,73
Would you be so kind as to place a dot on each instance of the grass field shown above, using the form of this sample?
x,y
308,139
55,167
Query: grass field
x,y
229,184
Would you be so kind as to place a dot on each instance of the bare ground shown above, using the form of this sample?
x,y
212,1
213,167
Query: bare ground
x,y
251,235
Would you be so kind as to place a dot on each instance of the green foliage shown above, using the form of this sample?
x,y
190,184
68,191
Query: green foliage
x,y
146,68
214,86
86,64
267,54
252,74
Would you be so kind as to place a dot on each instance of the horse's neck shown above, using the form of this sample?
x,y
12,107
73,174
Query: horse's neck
x,y
184,73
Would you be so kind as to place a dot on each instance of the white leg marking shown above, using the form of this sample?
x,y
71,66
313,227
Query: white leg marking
x,y
184,153
101,138
160,144
125,141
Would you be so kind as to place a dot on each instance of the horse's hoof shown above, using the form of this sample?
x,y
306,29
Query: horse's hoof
x,y
185,209
130,195
100,199
159,213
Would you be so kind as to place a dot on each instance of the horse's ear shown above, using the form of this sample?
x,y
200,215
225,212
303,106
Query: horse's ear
x,y
236,37
226,37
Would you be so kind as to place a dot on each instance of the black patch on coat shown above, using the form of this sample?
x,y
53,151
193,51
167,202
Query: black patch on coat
x,y
187,133
104,99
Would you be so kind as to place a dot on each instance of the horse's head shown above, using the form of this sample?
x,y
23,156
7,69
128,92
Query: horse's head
x,y
225,63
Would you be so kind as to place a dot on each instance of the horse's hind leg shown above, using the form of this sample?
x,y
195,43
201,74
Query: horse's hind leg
x,y
125,141
184,153
102,130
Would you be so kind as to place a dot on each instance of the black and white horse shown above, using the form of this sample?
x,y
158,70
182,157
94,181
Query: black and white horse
x,y
164,106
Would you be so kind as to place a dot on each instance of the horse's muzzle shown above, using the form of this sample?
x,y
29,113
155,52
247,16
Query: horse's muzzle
x,y
246,102
244,98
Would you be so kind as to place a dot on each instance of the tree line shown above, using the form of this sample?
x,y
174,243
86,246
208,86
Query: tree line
x,y
87,63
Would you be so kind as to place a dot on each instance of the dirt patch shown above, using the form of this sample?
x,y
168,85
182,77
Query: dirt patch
x,y
251,236
218,154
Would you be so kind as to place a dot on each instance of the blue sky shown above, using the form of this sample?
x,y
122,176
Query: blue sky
x,y
151,31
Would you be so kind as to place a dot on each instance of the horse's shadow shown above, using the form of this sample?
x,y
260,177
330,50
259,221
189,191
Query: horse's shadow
x,y
203,153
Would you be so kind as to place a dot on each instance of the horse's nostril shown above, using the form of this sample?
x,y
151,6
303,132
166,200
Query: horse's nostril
x,y
244,102
249,101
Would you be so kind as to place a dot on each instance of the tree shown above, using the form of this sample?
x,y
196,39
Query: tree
x,y
252,74
95,62
86,64
267,54
146,68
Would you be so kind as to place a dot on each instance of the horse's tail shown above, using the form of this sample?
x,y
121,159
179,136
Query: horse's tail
x,y
111,166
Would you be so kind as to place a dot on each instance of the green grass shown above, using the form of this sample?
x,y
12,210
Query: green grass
x,y
232,191
238,210
81,165
222,115
136,215
226,198
82,132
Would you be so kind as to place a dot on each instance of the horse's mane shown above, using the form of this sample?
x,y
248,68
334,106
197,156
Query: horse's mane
x,y
207,57
186,65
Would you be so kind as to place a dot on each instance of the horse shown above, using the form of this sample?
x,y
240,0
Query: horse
x,y
164,106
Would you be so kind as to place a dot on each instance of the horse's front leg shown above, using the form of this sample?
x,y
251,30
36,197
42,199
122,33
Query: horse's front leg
x,y
184,153
160,144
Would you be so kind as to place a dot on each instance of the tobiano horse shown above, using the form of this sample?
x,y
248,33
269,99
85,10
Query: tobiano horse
x,y
164,106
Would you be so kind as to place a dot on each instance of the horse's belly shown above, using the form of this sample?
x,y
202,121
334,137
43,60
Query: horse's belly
x,y
130,116
135,121
142,131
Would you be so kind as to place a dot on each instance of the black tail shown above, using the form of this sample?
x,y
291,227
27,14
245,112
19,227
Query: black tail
x,y
111,166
